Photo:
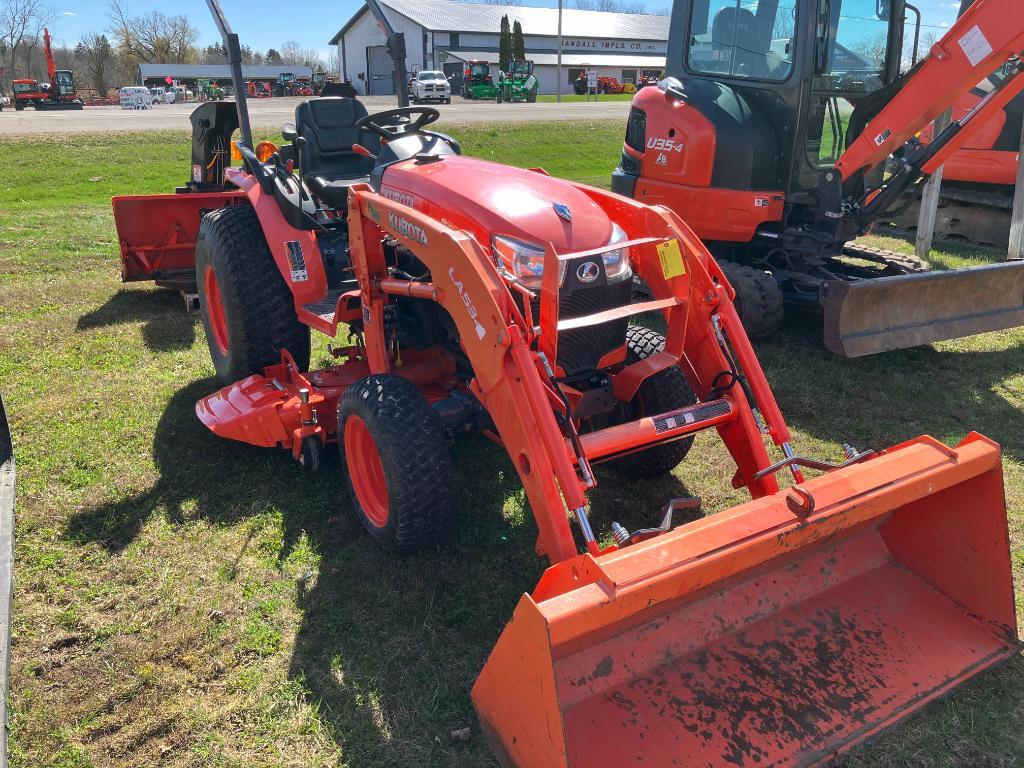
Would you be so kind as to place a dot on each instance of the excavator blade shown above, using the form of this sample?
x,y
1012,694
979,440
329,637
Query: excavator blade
x,y
778,633
869,316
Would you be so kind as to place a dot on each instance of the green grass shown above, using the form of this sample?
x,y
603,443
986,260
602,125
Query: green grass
x,y
572,97
185,601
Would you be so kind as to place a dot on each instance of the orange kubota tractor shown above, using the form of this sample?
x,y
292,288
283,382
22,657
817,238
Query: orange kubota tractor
x,y
779,141
479,297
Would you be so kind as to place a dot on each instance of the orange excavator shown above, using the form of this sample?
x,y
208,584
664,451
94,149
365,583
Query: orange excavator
x,y
784,133
59,93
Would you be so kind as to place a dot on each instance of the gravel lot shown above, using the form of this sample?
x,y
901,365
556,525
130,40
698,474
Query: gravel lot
x,y
274,112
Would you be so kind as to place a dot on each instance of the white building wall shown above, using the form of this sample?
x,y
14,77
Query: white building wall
x,y
365,33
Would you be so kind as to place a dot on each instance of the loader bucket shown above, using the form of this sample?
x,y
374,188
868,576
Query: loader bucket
x,y
869,316
157,234
764,635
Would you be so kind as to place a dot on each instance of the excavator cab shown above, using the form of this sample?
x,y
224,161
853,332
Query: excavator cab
x,y
768,137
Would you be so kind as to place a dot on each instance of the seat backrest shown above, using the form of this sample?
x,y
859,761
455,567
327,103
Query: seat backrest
x,y
328,126
736,28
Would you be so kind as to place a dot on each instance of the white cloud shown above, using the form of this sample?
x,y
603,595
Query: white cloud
x,y
69,13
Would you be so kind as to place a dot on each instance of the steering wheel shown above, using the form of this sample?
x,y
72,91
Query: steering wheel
x,y
426,116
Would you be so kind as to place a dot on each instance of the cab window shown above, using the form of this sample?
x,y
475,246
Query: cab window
x,y
854,52
752,39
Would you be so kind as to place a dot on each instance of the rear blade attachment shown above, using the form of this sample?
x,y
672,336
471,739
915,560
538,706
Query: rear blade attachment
x,y
865,317
158,233
778,633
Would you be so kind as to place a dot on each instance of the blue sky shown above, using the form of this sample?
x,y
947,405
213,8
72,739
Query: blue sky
x,y
311,23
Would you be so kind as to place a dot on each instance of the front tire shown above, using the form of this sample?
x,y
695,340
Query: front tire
x,y
396,461
758,298
666,391
247,308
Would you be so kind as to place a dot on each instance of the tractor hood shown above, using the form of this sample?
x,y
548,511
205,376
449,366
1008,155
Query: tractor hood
x,y
487,199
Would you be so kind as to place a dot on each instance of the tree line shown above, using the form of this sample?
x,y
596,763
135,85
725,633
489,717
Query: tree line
x,y
110,58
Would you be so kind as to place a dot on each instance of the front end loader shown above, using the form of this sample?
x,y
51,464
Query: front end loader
x,y
780,140
475,297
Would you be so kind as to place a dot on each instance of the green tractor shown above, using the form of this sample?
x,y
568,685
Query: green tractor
x,y
519,83
477,82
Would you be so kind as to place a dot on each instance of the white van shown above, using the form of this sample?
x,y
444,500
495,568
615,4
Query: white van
x,y
135,97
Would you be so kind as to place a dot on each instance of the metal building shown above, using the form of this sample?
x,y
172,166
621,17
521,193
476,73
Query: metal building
x,y
442,34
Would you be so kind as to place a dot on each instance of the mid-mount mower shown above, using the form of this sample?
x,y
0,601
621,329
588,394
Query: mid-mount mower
x,y
479,297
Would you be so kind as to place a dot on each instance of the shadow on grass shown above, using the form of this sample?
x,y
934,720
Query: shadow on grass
x,y
388,647
167,326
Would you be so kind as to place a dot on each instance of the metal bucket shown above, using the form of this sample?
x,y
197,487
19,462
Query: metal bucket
x,y
778,633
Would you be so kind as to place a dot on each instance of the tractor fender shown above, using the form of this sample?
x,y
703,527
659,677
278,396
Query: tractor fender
x,y
295,251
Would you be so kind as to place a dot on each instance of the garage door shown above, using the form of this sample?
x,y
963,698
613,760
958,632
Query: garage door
x,y
380,71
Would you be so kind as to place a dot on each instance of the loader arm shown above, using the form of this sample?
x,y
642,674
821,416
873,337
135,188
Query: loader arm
x,y
981,41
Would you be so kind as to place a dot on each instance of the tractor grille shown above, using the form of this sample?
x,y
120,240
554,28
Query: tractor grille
x,y
636,129
580,349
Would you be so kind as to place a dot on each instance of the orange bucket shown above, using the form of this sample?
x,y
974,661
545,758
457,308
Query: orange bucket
x,y
778,633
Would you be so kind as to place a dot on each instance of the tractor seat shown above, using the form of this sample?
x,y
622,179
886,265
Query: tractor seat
x,y
329,166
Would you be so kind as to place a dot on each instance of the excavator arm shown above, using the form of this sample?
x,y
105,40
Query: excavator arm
x,y
51,65
868,316
984,38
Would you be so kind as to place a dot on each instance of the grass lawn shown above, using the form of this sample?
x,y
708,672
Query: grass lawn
x,y
185,601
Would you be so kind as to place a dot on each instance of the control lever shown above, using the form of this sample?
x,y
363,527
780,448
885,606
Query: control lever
x,y
623,537
359,149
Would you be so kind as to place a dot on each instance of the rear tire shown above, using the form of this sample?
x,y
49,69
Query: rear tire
x,y
247,308
665,391
396,462
758,298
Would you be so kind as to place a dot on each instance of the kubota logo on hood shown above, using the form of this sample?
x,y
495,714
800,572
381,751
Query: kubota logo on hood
x,y
407,229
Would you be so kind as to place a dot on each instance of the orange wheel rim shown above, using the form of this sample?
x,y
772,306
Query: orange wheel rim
x,y
366,471
215,311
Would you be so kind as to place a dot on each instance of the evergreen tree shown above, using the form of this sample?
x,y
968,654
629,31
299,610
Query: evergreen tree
x,y
504,45
518,46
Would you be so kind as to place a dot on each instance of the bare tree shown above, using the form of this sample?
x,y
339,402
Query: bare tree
x,y
44,16
610,6
294,55
19,24
154,38
96,56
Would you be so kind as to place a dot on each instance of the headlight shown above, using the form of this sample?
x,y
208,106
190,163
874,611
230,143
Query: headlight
x,y
524,260
616,263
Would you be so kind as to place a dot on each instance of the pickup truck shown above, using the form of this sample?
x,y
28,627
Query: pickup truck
x,y
430,85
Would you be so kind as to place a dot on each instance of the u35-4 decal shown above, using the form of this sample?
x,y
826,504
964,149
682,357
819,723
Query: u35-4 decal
x,y
665,145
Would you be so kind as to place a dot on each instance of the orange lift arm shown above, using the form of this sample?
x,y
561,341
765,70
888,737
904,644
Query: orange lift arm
x,y
984,38
51,65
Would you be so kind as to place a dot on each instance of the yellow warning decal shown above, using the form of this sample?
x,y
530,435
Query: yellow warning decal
x,y
671,259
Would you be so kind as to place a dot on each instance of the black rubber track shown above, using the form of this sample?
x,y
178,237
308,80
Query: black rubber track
x,y
413,450
258,306
665,391
758,298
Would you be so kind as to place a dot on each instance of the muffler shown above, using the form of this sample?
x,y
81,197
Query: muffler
x,y
778,633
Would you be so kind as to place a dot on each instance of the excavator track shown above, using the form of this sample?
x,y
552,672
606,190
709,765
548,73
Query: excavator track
x,y
906,263
968,213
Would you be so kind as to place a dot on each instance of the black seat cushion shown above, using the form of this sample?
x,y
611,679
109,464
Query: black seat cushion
x,y
328,164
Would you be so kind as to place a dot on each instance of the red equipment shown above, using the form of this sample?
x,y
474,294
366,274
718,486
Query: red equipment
x,y
59,93
756,148
484,297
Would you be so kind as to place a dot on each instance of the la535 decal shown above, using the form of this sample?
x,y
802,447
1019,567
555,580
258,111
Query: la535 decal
x,y
665,145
